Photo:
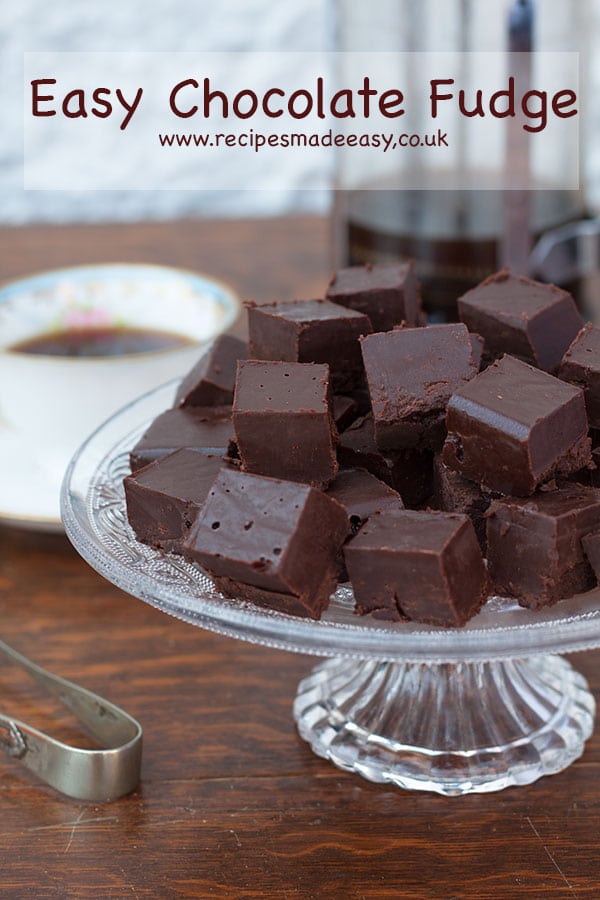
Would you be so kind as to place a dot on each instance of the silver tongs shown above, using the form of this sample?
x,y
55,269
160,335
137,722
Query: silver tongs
x,y
95,775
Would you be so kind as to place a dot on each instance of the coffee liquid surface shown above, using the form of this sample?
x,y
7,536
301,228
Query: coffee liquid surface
x,y
89,342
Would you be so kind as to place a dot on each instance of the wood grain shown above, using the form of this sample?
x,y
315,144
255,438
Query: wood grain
x,y
232,803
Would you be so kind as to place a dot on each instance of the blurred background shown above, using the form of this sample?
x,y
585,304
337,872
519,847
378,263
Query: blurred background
x,y
457,237
163,25
185,25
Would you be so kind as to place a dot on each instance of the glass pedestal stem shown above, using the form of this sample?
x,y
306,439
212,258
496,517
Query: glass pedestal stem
x,y
450,728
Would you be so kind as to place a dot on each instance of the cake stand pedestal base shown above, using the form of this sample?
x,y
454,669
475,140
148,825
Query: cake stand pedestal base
x,y
450,728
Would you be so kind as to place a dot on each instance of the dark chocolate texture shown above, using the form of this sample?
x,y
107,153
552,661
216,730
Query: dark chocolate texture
x,y
535,548
513,427
426,567
208,429
345,411
407,471
533,321
283,422
478,348
412,373
285,603
388,293
310,331
581,366
164,498
591,547
212,380
361,494
453,493
362,398
274,535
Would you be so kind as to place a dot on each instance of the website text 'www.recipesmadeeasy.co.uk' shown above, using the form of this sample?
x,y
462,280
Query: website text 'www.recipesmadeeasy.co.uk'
x,y
256,141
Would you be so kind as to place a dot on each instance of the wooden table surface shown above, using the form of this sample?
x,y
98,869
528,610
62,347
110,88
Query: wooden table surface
x,y
232,803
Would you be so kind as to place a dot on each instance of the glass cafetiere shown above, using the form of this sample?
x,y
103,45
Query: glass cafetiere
x,y
459,235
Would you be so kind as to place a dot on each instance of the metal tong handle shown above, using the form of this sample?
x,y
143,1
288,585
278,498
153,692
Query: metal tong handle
x,y
96,775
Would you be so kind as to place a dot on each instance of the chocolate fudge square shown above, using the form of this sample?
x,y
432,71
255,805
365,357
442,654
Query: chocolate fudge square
x,y
208,429
361,494
388,293
212,380
407,471
277,536
283,422
310,331
513,427
345,411
289,604
426,567
362,398
535,550
454,493
533,321
478,347
590,475
581,366
411,373
591,547
594,469
164,498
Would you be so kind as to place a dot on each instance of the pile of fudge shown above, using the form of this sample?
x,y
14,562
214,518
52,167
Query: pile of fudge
x,y
427,465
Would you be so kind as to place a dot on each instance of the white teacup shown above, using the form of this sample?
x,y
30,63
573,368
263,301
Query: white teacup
x,y
49,404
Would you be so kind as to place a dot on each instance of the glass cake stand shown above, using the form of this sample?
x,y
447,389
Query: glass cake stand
x,y
453,711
